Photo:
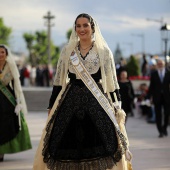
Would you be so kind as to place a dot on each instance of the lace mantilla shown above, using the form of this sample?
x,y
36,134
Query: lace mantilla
x,y
93,61
109,67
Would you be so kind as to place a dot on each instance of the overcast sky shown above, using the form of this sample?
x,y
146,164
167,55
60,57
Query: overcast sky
x,y
118,20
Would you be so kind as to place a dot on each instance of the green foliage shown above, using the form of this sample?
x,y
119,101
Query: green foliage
x,y
37,45
29,38
68,34
55,56
4,33
133,66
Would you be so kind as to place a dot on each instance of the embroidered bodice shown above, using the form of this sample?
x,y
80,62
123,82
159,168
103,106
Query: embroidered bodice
x,y
6,75
91,61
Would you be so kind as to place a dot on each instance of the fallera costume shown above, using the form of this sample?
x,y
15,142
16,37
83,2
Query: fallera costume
x,y
14,134
79,134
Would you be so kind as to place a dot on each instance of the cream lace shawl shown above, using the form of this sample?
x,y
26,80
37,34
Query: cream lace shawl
x,y
10,73
107,66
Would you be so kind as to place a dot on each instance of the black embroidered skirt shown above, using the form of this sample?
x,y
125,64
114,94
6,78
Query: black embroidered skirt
x,y
9,126
80,131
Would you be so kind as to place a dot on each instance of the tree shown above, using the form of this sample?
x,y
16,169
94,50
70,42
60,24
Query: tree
x,y
37,47
68,34
40,47
133,66
55,56
4,33
29,38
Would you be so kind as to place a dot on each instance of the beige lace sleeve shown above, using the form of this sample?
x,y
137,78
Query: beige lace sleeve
x,y
60,71
110,71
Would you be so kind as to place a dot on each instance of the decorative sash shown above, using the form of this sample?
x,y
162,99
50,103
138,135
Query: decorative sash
x,y
103,101
93,87
7,93
10,97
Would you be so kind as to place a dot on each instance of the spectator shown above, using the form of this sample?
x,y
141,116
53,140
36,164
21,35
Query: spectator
x,y
33,76
159,92
126,93
144,67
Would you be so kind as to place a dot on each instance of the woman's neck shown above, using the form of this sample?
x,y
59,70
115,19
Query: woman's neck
x,y
124,80
85,44
2,64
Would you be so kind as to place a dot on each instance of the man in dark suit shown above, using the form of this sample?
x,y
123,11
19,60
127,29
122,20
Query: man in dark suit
x,y
159,92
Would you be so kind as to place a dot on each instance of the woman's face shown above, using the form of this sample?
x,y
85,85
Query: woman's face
x,y
123,75
3,54
83,28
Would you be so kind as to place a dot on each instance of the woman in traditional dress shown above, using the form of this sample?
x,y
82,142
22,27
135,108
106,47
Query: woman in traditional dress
x,y
79,133
14,134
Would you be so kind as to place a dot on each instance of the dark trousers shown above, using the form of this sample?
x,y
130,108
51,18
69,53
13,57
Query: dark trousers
x,y
162,111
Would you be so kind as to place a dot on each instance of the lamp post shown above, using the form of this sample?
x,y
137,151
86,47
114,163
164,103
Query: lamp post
x,y
165,37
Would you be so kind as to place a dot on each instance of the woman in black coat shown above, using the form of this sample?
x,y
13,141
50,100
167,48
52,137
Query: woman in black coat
x,y
126,92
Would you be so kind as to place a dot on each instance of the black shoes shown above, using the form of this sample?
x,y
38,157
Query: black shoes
x,y
161,135
1,159
165,132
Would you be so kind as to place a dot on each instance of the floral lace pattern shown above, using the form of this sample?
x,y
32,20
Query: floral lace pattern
x,y
6,75
90,61
60,69
93,61
96,164
109,67
80,129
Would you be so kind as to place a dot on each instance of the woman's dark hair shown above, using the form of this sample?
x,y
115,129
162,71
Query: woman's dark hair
x,y
2,46
84,15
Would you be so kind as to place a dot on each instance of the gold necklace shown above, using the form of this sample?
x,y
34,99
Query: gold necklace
x,y
86,47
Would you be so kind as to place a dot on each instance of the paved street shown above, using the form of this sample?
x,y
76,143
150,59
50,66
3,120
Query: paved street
x,y
149,151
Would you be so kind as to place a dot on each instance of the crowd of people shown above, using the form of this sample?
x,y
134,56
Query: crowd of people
x,y
152,100
40,76
89,104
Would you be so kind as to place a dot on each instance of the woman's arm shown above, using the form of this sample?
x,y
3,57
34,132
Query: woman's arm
x,y
56,90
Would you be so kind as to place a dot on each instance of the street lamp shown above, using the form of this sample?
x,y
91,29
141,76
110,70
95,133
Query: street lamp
x,y
165,37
